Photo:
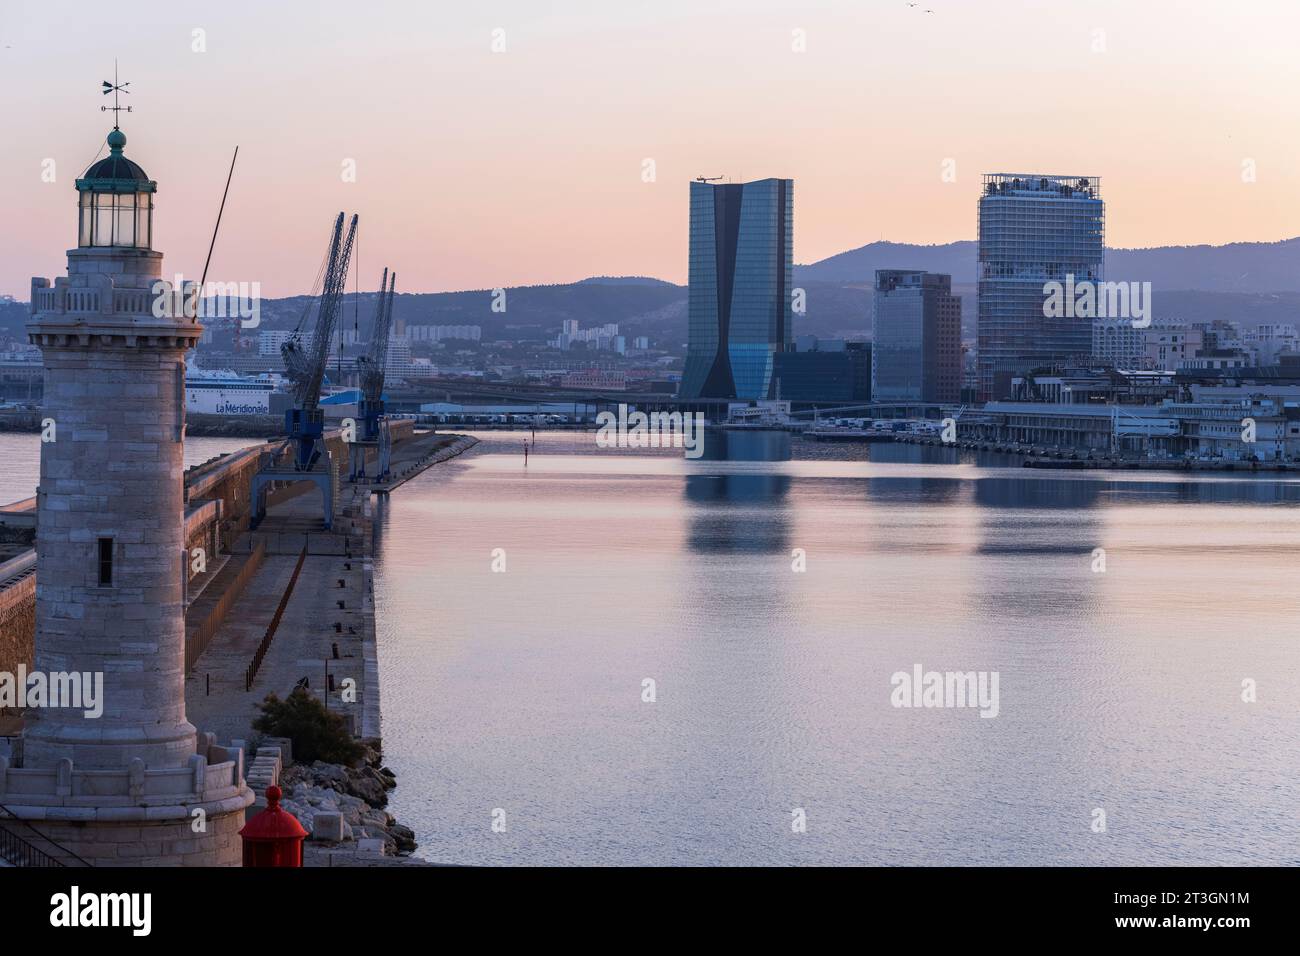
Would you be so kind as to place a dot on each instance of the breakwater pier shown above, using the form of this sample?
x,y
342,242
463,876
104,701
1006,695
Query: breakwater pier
x,y
270,606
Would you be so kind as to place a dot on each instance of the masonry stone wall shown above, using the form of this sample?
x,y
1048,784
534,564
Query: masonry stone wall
x,y
111,569
229,481
17,624
151,844
200,537
113,475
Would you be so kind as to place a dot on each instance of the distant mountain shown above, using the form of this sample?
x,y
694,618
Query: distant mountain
x,y
1247,308
13,319
1237,267
623,280
1248,282
1246,267
525,313
957,259
537,311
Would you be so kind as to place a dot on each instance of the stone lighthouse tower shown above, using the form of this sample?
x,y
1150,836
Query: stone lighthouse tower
x,y
135,784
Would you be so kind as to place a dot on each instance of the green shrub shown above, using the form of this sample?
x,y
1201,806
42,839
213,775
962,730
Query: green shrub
x,y
317,733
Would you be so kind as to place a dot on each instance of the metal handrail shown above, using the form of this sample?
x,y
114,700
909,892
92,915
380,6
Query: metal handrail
x,y
12,845
250,673
19,852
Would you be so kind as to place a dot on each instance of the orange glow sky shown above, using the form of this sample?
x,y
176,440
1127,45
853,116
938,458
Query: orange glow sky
x,y
478,169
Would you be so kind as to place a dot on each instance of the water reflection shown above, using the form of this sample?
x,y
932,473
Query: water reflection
x,y
1034,493
923,491
734,514
1118,688
1019,487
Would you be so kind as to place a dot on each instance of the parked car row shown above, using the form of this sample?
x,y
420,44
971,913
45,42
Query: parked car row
x,y
898,426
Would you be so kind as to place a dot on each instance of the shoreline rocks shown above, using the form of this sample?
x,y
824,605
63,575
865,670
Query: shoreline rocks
x,y
340,804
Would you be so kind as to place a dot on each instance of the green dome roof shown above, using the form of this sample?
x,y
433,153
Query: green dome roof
x,y
115,173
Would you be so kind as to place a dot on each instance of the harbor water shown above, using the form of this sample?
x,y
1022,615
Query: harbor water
x,y
611,657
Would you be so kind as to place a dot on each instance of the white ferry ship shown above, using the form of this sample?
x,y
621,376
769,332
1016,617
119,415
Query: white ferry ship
x,y
223,392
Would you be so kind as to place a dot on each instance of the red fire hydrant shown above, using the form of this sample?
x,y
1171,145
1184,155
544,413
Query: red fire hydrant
x,y
273,837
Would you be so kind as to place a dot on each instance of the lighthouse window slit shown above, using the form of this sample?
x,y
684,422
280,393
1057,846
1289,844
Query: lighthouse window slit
x,y
105,562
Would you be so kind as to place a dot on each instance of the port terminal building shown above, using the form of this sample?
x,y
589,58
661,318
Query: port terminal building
x,y
1263,428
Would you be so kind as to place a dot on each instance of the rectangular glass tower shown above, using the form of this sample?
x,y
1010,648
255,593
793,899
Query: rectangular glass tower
x,y
1033,229
916,353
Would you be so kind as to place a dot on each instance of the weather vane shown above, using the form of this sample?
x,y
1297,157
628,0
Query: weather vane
x,y
115,88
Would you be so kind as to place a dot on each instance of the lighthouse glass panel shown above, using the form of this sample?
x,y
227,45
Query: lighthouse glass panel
x,y
116,219
87,218
143,220
124,220
103,235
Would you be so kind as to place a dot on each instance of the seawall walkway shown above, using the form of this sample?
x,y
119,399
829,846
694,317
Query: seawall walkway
x,y
327,627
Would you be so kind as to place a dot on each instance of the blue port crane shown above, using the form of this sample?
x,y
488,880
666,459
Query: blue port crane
x,y
374,428
304,362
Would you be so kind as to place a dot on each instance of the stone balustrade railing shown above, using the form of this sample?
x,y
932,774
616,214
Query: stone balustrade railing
x,y
131,793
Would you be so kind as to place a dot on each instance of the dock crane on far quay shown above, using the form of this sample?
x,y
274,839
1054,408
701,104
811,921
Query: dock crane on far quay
x,y
304,363
374,428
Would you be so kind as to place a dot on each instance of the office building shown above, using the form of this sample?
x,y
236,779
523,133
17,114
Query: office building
x,y
1270,341
595,378
270,341
1117,343
1170,346
916,353
603,338
833,375
437,333
1033,229
740,311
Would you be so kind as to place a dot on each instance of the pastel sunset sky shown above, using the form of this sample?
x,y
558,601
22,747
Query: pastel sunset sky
x,y
478,169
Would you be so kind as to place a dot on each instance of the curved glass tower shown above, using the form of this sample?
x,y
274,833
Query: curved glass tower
x,y
740,311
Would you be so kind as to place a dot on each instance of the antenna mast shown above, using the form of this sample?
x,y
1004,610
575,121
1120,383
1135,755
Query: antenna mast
x,y
203,280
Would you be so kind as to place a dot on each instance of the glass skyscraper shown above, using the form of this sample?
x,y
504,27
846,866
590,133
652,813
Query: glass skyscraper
x,y
1033,229
740,308
916,353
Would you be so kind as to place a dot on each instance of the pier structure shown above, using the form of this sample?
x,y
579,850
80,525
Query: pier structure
x,y
135,784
